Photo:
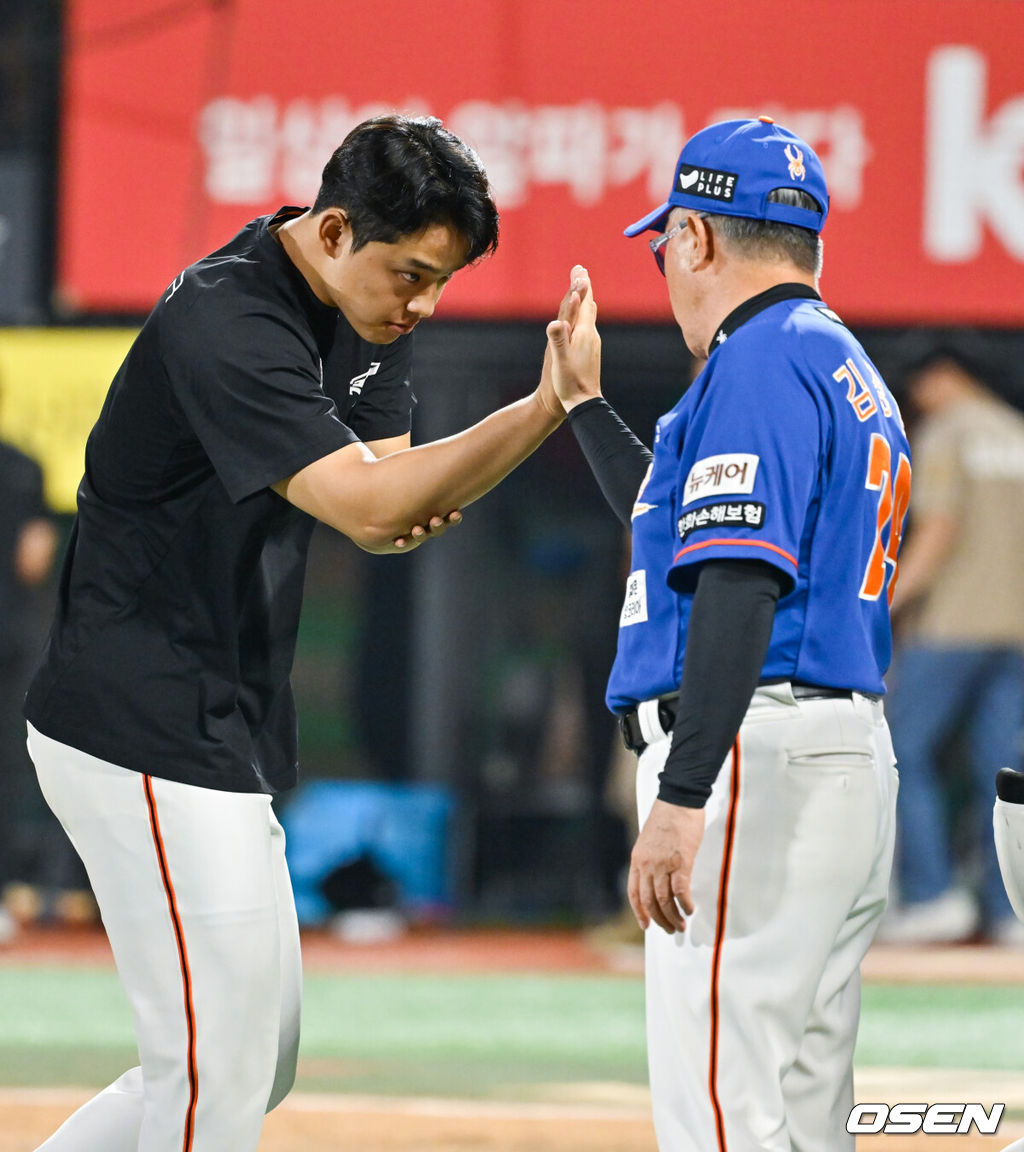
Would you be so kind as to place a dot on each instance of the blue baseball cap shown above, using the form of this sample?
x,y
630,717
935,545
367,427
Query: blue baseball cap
x,y
729,168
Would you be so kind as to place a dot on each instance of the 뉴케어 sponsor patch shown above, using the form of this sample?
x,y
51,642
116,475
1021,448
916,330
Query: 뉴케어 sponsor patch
x,y
731,474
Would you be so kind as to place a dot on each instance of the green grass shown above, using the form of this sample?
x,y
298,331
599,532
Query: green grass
x,y
474,1035
942,1026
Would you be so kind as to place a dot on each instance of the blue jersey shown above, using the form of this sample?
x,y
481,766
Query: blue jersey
x,y
788,448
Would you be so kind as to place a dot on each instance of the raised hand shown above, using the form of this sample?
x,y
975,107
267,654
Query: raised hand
x,y
568,312
574,344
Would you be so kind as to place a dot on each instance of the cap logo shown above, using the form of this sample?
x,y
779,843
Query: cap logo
x,y
707,182
797,171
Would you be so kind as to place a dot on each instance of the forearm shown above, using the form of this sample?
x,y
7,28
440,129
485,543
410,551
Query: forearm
x,y
373,501
727,639
616,457
455,471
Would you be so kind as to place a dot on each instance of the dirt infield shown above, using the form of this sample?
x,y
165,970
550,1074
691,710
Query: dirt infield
x,y
326,1124
506,950
420,950
571,1121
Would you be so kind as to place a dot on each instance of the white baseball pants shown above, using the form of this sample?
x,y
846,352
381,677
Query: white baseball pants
x,y
752,1013
1008,829
194,893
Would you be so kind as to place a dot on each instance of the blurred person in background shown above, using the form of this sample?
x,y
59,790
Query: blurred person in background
x,y
28,542
959,667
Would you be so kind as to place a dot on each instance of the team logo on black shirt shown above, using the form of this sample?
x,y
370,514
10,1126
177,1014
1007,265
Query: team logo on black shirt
x,y
355,385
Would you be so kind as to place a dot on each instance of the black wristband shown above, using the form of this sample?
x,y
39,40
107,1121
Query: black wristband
x,y
616,457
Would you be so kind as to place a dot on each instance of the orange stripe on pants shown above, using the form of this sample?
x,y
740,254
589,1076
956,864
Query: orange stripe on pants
x,y
723,900
186,977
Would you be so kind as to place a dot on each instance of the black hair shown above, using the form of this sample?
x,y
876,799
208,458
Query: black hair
x,y
396,175
772,239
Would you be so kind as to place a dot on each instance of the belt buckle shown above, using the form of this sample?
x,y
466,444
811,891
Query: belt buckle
x,y
626,729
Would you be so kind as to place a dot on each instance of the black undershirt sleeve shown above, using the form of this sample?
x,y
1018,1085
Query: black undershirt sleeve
x,y
616,457
727,639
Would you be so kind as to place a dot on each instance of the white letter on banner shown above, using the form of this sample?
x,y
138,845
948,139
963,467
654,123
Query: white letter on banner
x,y
239,138
972,170
499,133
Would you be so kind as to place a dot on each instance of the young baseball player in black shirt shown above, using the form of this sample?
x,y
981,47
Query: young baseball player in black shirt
x,y
269,386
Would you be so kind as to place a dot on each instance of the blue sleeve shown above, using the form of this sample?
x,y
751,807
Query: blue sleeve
x,y
749,468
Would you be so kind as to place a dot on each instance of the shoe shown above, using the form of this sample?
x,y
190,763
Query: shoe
x,y
368,925
948,919
1008,932
8,927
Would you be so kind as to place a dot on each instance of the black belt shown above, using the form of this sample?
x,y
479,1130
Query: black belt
x,y
629,723
633,738
814,692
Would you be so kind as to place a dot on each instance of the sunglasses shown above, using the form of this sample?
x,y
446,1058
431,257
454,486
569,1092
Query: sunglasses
x,y
659,242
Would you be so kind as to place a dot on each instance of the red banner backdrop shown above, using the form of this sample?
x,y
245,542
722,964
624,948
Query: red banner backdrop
x,y
185,119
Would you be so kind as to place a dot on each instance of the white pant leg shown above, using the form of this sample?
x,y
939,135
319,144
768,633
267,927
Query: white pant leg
x,y
818,1088
676,1008
110,1120
1008,829
195,897
801,832
290,984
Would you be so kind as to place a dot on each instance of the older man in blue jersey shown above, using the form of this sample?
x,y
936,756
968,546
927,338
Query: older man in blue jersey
x,y
753,639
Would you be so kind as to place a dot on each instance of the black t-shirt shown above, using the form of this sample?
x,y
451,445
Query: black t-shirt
x,y
179,599
21,501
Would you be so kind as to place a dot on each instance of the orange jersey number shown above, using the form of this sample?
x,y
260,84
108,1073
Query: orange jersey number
x,y
893,500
